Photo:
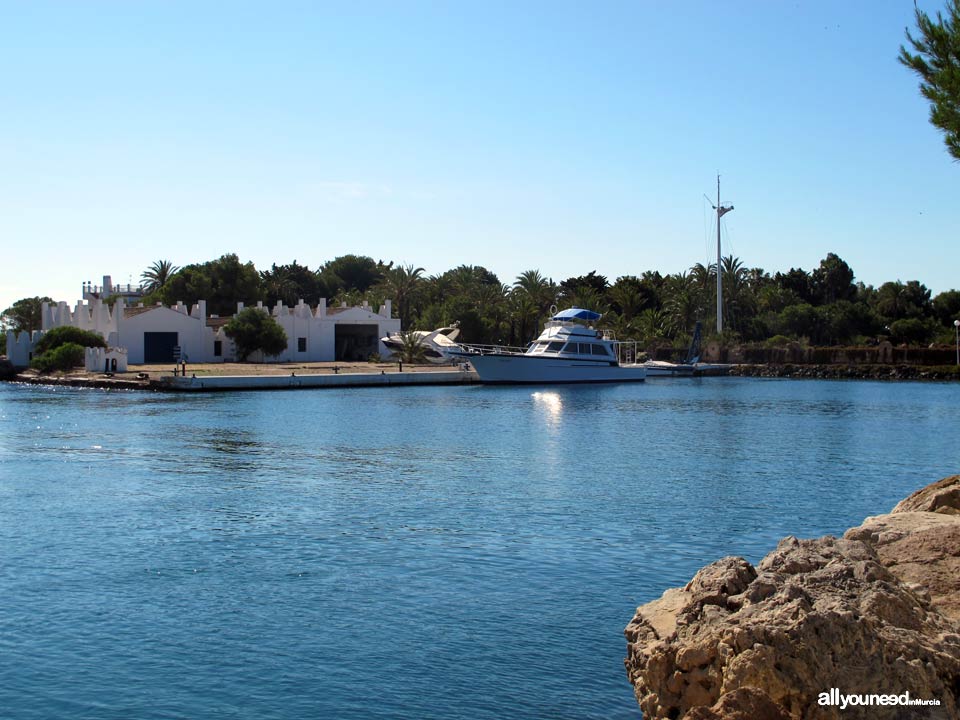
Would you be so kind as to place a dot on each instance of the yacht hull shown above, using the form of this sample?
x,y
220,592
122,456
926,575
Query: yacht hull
x,y
530,370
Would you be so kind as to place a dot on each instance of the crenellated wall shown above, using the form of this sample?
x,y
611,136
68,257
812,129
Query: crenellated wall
x,y
20,347
106,359
198,335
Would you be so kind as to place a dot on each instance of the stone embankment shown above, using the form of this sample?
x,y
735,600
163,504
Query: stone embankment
x,y
849,372
874,612
254,376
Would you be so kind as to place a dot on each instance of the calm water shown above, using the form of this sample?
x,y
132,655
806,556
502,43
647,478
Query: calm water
x,y
407,553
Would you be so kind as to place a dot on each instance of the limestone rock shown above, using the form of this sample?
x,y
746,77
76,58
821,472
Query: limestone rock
x,y
877,611
942,496
922,550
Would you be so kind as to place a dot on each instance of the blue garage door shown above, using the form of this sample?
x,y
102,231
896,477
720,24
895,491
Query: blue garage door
x,y
158,346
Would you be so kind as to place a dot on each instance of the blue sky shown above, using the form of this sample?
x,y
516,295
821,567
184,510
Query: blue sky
x,y
562,136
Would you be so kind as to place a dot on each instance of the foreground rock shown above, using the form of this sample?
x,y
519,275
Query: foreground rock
x,y
874,612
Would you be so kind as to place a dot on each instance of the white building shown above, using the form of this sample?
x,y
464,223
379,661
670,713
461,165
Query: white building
x,y
154,334
130,293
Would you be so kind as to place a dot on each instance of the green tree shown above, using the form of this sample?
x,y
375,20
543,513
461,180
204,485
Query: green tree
x,y
937,62
682,306
222,283
25,315
524,315
833,280
253,329
291,283
157,275
912,331
798,282
583,289
898,301
402,283
52,339
539,290
946,306
799,321
351,272
651,324
63,357
739,302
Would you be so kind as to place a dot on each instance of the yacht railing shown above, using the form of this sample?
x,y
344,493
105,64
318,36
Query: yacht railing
x,y
627,351
488,350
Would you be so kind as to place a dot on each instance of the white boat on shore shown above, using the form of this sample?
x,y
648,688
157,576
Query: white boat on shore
x,y
567,351
662,368
437,344
685,368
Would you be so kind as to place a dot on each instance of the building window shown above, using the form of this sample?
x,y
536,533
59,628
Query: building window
x,y
301,344
218,348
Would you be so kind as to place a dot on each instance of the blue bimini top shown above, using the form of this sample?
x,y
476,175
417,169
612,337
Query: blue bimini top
x,y
576,314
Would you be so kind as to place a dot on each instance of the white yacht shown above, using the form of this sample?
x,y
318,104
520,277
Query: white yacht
x,y
437,344
567,351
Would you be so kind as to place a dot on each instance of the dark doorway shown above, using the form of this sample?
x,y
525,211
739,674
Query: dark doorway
x,y
158,347
355,343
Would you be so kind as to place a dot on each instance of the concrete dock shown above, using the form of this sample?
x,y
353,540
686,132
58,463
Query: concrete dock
x,y
293,381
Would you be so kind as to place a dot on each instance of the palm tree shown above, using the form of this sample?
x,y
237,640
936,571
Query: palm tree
x,y
278,285
157,275
650,324
403,283
682,306
626,294
524,313
736,297
540,290
411,347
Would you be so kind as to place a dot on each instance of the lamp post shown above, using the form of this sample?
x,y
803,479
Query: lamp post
x,y
956,327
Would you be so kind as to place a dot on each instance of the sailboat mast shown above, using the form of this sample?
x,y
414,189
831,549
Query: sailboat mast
x,y
721,211
719,273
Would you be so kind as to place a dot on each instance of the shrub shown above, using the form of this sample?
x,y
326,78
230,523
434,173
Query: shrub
x,y
411,350
67,334
253,329
912,331
63,357
778,341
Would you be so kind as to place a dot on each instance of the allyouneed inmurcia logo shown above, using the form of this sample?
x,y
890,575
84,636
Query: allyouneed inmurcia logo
x,y
834,697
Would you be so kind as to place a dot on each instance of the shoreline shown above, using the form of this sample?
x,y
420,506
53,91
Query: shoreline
x,y
253,376
160,378
930,373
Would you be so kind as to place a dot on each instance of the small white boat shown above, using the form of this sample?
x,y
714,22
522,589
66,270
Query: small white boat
x,y
567,351
437,345
686,368
662,368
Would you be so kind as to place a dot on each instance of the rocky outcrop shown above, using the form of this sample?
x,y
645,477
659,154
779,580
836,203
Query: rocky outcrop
x,y
7,370
846,371
874,612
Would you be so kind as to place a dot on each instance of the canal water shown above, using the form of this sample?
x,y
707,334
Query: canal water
x,y
448,552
